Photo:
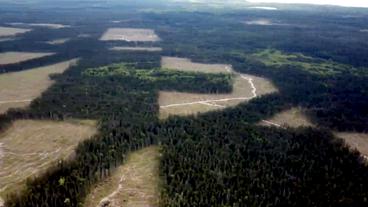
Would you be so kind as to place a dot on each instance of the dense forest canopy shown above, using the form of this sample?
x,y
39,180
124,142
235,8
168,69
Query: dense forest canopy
x,y
317,57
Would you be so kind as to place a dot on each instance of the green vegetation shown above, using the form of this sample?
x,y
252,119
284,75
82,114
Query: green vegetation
x,y
168,79
279,59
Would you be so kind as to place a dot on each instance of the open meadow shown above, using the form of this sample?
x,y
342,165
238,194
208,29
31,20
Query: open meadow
x,y
16,57
245,87
130,35
29,147
133,184
18,89
46,25
11,31
146,49
294,117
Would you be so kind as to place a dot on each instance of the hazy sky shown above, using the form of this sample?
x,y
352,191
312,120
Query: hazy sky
x,y
355,3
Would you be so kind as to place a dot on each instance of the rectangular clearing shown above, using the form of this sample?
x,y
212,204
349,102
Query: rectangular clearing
x,y
130,35
186,65
133,184
16,57
357,141
29,147
11,31
146,49
294,117
245,87
18,89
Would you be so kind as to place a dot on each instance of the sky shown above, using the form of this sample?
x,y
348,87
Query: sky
x,y
347,3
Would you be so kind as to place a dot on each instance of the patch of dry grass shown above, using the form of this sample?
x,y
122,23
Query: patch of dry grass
x,y
16,57
134,184
186,65
11,31
58,41
130,35
18,89
245,87
29,147
47,25
147,49
357,141
294,117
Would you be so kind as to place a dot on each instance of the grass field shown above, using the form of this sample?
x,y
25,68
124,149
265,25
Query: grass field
x,y
11,31
134,184
357,141
47,25
16,57
294,117
186,65
130,35
30,146
58,41
245,87
147,49
276,58
18,89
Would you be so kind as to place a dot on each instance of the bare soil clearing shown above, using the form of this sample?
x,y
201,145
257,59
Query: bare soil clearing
x,y
263,8
264,22
294,117
186,65
357,141
29,147
18,89
16,57
47,25
147,49
11,31
134,184
130,35
245,87
58,41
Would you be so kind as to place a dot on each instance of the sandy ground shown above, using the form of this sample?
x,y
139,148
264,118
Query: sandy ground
x,y
11,31
294,117
58,41
147,49
134,184
18,89
130,35
15,57
47,25
28,147
186,65
245,87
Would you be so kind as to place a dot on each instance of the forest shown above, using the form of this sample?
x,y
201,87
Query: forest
x,y
220,158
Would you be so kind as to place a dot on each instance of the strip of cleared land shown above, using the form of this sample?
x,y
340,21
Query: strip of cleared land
x,y
357,141
58,41
16,57
130,35
264,22
28,147
294,117
134,184
147,49
245,88
186,65
11,31
47,25
18,89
